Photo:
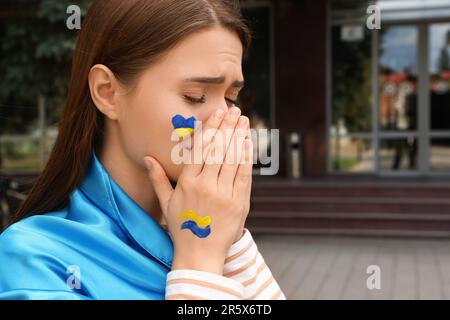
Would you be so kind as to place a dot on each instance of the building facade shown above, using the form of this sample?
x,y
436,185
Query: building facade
x,y
365,101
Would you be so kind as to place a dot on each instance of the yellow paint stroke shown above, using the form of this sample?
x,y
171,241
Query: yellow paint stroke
x,y
182,132
202,222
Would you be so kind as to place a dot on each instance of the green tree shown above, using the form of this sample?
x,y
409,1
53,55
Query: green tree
x,y
443,60
352,83
36,53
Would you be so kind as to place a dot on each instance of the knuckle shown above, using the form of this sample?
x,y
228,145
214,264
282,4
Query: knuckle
x,y
244,176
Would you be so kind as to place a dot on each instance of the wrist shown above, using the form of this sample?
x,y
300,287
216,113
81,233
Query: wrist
x,y
240,235
207,262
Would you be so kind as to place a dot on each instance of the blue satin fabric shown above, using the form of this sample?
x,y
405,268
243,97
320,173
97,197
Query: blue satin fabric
x,y
118,249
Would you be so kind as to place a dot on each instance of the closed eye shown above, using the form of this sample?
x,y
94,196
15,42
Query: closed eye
x,y
202,100
194,100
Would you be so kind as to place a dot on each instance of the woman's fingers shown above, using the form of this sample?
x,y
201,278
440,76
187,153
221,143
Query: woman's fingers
x,y
247,194
243,178
243,182
160,182
199,142
219,145
233,155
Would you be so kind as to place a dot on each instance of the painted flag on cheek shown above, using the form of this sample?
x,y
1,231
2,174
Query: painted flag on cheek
x,y
183,126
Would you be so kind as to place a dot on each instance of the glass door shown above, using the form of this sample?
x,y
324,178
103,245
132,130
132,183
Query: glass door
x,y
413,129
388,111
439,97
397,113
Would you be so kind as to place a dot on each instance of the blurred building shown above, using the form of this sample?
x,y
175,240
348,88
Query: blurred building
x,y
363,115
372,108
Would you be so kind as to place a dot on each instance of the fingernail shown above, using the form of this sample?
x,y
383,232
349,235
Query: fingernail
x,y
235,111
148,163
219,113
243,120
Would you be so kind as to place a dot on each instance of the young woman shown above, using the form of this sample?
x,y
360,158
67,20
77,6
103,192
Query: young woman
x,y
103,219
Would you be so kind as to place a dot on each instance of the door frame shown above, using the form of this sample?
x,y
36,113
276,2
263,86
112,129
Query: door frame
x,y
423,132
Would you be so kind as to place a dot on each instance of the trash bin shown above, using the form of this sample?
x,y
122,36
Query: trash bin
x,y
294,155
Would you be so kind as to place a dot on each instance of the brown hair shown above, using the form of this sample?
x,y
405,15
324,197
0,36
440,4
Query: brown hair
x,y
126,36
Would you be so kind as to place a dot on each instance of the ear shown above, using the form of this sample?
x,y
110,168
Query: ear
x,y
104,89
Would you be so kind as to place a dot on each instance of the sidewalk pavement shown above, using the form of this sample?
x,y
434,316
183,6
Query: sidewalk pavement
x,y
330,267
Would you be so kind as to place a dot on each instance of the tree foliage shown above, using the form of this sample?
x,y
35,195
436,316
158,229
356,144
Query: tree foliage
x,y
36,53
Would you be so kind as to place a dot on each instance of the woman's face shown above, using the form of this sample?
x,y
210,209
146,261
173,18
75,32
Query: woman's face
x,y
195,78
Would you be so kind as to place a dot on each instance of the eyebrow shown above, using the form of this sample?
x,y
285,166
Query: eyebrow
x,y
214,80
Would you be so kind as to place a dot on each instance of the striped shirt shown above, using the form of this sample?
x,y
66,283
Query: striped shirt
x,y
245,276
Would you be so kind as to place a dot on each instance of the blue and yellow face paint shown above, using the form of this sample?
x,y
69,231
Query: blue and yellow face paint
x,y
200,226
183,126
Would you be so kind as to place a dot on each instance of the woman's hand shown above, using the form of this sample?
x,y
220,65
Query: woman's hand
x,y
218,186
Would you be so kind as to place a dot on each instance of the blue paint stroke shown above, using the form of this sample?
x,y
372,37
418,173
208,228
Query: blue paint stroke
x,y
199,232
178,121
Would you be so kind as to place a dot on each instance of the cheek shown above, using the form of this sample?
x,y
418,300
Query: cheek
x,y
147,128
143,128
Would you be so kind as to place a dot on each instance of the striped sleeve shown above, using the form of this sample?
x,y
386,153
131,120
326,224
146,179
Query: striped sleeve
x,y
187,284
245,264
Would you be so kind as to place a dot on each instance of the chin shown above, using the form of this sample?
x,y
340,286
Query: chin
x,y
174,173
